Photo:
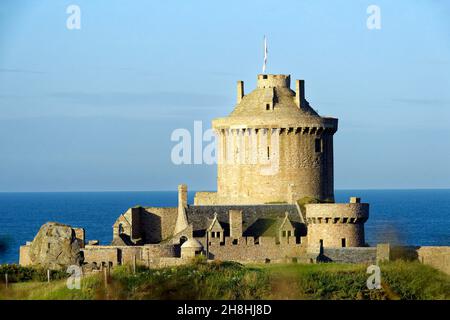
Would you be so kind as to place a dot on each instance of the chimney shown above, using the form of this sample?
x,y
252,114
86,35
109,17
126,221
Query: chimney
x,y
235,217
299,92
182,196
240,90
182,222
355,200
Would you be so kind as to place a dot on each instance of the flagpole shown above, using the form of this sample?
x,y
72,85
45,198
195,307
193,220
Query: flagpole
x,y
265,55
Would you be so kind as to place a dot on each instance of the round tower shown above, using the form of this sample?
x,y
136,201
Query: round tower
x,y
336,225
273,147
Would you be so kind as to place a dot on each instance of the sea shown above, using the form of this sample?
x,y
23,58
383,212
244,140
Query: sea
x,y
405,217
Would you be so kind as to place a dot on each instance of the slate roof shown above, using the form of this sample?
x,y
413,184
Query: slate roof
x,y
257,220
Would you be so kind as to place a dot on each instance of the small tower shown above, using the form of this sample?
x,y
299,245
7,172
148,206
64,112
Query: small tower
x,y
336,225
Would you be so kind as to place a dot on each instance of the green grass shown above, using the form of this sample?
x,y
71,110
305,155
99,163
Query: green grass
x,y
415,281
228,280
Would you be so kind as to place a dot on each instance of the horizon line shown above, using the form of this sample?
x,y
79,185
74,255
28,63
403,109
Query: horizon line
x,y
175,190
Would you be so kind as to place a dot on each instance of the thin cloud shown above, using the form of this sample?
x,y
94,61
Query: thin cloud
x,y
162,99
6,70
422,101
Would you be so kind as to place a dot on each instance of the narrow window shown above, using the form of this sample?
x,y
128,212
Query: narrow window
x,y
218,234
318,145
268,153
284,233
289,233
343,242
267,106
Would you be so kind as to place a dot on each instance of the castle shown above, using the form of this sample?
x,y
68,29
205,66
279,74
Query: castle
x,y
274,199
273,151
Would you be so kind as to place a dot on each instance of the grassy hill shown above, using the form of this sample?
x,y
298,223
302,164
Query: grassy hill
x,y
228,280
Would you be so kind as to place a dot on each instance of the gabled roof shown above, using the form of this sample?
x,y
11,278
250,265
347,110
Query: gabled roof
x,y
122,219
214,221
286,223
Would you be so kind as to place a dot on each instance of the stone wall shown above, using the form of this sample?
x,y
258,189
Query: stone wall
x,y
245,249
116,255
290,168
350,255
437,257
332,235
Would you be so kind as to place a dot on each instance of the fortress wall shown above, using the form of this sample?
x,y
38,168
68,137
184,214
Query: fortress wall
x,y
159,250
100,254
126,254
247,250
437,257
350,255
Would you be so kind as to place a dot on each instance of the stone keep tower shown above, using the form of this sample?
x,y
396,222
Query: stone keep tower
x,y
273,147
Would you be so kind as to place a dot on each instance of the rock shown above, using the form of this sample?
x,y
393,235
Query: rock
x,y
90,267
55,247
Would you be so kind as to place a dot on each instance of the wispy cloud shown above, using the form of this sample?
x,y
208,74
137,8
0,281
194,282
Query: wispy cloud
x,y
7,70
423,101
162,99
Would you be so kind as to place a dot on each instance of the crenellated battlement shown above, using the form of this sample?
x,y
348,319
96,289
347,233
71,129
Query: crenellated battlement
x,y
337,213
273,80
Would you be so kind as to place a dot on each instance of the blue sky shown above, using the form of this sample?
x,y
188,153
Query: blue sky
x,y
93,109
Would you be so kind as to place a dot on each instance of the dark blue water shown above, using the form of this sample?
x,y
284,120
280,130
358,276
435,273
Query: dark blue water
x,y
413,217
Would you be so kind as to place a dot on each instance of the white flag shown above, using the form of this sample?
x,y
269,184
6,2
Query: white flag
x,y
265,55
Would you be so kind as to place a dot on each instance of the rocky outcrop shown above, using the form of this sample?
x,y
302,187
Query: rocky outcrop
x,y
55,247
